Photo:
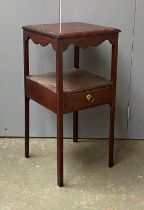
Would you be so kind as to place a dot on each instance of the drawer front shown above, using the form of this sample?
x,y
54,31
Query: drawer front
x,y
87,99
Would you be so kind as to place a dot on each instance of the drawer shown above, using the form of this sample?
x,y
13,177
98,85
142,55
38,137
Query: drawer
x,y
87,99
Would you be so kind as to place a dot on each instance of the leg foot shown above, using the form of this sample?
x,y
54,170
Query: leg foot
x,y
75,127
111,138
26,127
60,149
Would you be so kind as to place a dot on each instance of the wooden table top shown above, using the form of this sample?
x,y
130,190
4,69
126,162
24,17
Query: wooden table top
x,y
71,29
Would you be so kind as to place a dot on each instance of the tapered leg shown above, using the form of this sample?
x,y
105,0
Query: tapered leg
x,y
26,127
112,105
75,114
60,149
75,126
26,73
111,138
59,86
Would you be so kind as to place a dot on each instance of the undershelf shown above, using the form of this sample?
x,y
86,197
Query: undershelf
x,y
74,81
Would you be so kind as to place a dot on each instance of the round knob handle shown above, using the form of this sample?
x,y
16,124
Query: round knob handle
x,y
89,98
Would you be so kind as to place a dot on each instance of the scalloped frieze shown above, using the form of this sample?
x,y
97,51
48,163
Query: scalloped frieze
x,y
39,39
89,41
81,42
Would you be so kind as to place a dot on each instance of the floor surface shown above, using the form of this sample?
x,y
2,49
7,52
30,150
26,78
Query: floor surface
x,y
30,184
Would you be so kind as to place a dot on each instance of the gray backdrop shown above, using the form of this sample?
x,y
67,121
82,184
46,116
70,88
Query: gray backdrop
x,y
93,122
136,121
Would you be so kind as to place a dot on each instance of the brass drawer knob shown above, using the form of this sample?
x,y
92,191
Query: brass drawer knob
x,y
89,98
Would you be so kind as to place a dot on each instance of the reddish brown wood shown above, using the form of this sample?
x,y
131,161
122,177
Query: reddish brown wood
x,y
114,60
40,39
78,101
72,29
88,41
111,135
82,35
75,114
76,56
73,90
74,81
59,90
41,95
26,73
112,105
76,85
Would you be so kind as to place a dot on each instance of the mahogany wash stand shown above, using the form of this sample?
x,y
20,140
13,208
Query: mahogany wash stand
x,y
70,90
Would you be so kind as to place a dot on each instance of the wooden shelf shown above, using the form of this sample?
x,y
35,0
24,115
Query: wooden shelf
x,y
74,81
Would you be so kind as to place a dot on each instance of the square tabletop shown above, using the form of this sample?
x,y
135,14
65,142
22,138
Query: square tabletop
x,y
71,29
